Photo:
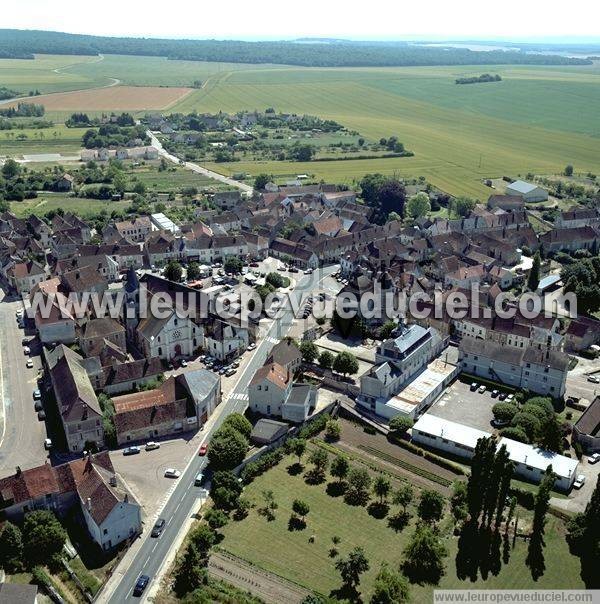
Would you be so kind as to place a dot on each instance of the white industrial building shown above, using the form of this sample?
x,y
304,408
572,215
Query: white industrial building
x,y
530,462
526,190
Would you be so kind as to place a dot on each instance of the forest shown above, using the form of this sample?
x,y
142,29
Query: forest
x,y
23,44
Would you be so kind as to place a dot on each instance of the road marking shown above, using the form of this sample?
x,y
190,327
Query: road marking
x,y
154,546
2,397
147,560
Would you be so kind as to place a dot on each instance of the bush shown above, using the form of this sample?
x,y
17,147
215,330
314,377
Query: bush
x,y
333,429
314,427
261,465
238,422
504,411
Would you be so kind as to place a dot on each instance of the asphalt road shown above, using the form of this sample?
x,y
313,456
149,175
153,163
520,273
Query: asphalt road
x,y
196,168
21,433
185,497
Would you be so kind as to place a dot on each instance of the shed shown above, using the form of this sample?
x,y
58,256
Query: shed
x,y
267,431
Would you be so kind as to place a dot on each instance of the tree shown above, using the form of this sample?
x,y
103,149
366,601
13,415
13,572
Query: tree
x,y
301,152
515,433
504,411
216,518
359,482
418,205
390,587
386,330
261,181
551,437
424,556
431,506
226,490
320,460
300,508
333,429
10,169
351,567
528,422
458,501
227,448
190,573
270,506
276,280
240,423
233,265
139,188
173,271
345,363
43,537
400,424
119,182
460,207
193,271
393,217
339,467
390,198
382,487
309,351
404,496
11,548
326,359
534,273
535,551
298,447
568,170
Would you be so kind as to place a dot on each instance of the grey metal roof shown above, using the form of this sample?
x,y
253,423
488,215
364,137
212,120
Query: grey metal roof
x,y
299,395
522,187
200,382
267,430
409,337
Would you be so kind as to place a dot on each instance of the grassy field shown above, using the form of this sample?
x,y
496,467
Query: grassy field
x,y
270,545
47,202
58,139
173,180
537,119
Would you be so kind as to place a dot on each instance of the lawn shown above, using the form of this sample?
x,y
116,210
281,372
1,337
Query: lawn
x,y
270,545
173,179
58,139
47,202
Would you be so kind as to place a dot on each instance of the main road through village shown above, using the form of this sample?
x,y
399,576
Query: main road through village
x,y
152,554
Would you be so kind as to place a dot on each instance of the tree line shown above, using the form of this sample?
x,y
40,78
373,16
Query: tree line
x,y
22,44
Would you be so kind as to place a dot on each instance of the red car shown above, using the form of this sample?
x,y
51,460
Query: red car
x,y
202,450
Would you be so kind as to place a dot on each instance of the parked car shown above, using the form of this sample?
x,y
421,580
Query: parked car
x,y
510,398
25,341
495,393
230,372
293,269
594,379
41,415
252,346
140,585
26,350
595,458
38,405
308,271
37,395
47,444
500,423
172,473
199,479
502,396
579,481
134,450
184,363
151,445
474,386
29,364
481,389
158,528
202,450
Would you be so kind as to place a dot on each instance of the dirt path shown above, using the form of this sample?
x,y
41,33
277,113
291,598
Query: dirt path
x,y
271,588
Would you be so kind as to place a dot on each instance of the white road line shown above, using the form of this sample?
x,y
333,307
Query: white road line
x,y
147,560
154,546
2,398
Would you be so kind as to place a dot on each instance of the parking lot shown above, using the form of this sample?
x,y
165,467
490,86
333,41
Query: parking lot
x,y
462,405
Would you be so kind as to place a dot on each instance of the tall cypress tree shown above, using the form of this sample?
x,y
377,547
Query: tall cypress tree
x,y
535,553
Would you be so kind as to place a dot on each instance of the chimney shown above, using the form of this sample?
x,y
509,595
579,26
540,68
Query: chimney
x,y
18,471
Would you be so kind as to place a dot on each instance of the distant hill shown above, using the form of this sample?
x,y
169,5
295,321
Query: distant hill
x,y
24,43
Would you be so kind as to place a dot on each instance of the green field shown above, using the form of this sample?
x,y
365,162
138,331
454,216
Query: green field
x,y
537,119
47,202
173,180
57,139
270,545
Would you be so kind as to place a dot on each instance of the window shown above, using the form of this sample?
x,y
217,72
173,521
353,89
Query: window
x,y
105,532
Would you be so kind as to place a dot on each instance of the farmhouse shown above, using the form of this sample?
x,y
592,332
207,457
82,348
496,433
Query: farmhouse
x,y
527,191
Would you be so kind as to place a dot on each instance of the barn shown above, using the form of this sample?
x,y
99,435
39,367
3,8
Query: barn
x,y
527,191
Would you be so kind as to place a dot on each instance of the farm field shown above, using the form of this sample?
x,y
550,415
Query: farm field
x,y
57,139
173,180
537,119
270,545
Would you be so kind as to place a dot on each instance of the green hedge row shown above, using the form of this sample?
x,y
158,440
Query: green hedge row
x,y
428,455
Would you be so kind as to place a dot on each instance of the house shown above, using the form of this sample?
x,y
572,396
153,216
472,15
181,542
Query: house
x,y
89,484
226,200
225,341
204,389
571,239
53,319
152,414
286,354
17,593
96,331
297,253
506,202
272,393
577,217
135,229
23,276
78,405
582,333
162,247
541,371
65,183
527,191
85,280
586,430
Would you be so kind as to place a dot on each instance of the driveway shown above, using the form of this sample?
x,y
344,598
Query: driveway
x,y
21,433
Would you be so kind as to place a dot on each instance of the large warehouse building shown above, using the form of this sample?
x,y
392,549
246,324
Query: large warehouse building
x,y
527,191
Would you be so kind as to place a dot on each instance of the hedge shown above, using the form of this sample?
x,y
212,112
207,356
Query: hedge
x,y
261,465
428,455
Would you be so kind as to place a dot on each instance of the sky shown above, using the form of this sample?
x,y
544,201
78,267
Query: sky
x,y
520,20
